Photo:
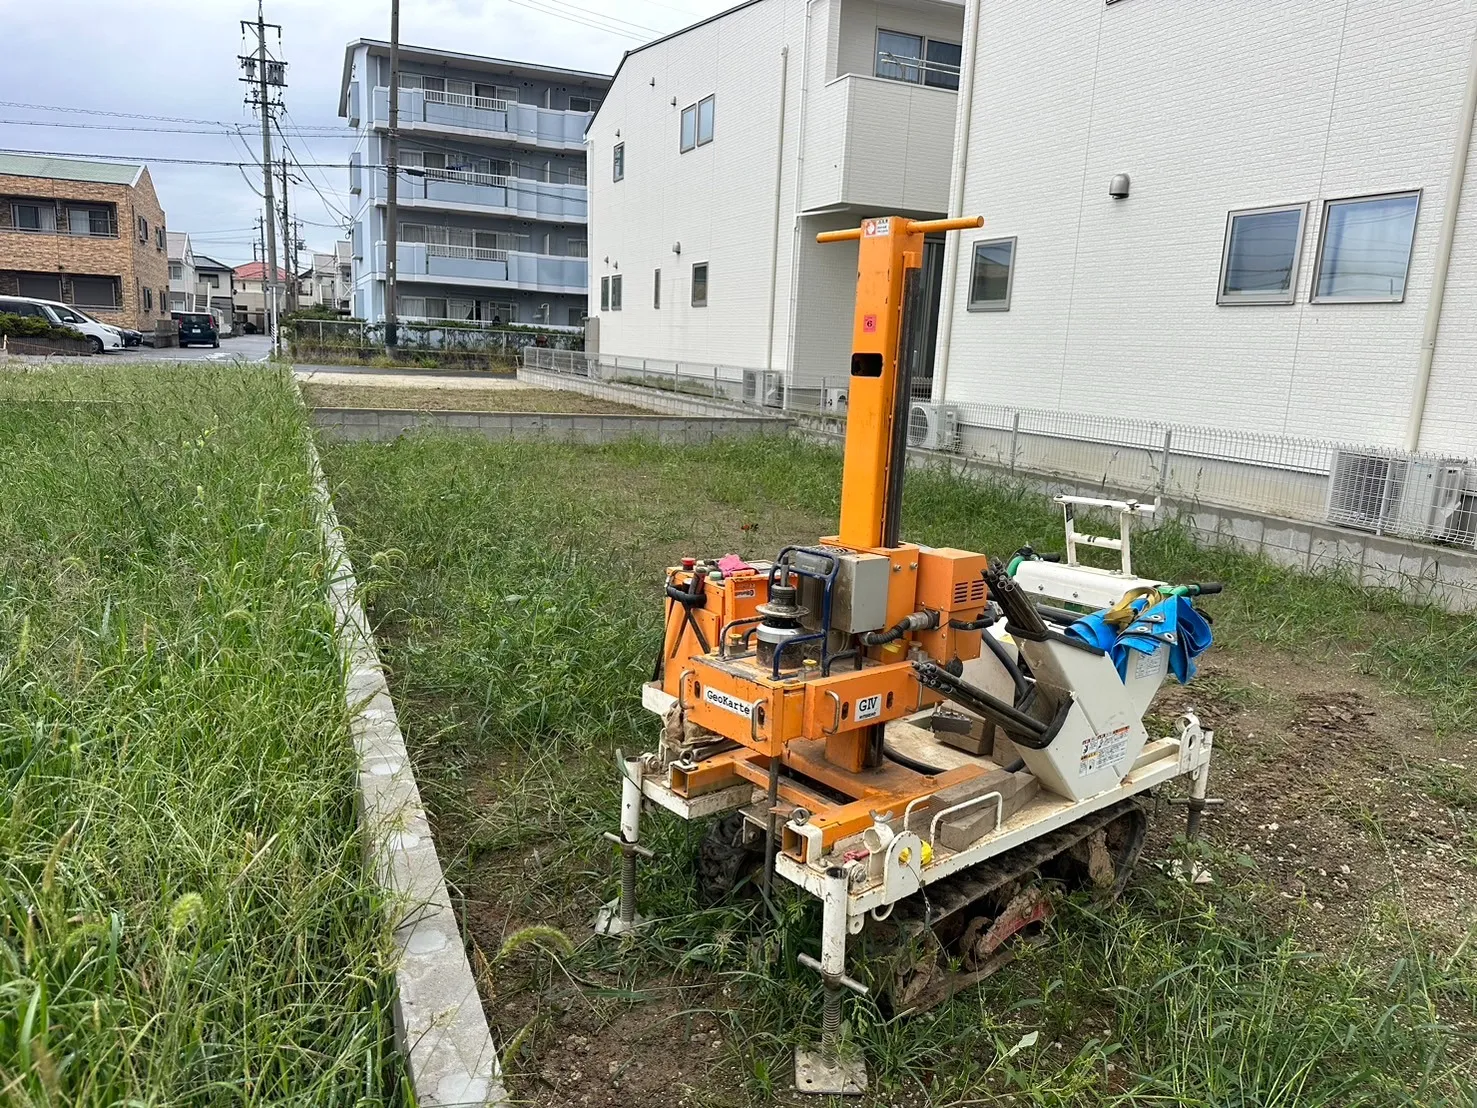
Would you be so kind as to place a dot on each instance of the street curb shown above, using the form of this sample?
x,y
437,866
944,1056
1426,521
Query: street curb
x,y
440,1030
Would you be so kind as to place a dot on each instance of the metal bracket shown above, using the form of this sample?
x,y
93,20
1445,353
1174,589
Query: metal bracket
x,y
835,1076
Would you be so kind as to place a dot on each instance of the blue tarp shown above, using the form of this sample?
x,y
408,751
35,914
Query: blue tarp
x,y
1173,622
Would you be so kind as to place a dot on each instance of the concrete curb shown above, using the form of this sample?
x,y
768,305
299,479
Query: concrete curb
x,y
388,424
440,1030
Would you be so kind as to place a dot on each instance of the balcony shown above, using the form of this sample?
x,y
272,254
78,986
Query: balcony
x,y
439,263
482,193
850,168
482,117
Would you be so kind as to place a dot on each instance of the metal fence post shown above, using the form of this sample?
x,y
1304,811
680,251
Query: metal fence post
x,y
715,382
1015,434
1164,462
676,385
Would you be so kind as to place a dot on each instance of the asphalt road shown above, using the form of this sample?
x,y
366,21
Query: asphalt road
x,y
251,348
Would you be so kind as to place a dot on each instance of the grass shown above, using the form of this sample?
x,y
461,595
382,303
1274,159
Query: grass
x,y
185,918
461,399
515,592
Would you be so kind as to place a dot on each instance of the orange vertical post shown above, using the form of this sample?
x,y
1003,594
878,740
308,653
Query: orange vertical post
x,y
887,247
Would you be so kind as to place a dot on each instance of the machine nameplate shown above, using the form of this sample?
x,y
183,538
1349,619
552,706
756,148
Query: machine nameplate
x,y
722,700
1102,750
743,594
869,707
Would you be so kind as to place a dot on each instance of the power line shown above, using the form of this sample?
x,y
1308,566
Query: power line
x,y
222,129
602,16
609,30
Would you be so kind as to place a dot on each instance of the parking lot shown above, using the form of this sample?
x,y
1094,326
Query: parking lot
x,y
249,348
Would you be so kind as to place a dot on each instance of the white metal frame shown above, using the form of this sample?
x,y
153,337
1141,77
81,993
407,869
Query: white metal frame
x,y
1228,299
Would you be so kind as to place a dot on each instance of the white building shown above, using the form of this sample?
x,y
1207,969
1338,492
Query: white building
x,y
720,152
491,191
183,282
329,283
1272,266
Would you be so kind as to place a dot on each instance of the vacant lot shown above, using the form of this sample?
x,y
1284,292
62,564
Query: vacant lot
x,y
460,398
184,916
1333,962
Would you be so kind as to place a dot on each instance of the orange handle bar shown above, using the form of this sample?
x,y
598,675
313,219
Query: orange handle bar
x,y
915,227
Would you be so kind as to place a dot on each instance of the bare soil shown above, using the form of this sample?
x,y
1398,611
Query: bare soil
x,y
460,398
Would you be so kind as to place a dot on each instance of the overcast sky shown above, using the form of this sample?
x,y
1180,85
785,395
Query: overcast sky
x,y
178,59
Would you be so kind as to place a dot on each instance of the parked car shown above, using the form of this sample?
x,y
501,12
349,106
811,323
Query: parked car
x,y
102,336
131,337
196,327
222,323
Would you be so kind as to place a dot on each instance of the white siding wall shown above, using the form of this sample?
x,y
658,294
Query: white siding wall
x,y
718,200
1212,107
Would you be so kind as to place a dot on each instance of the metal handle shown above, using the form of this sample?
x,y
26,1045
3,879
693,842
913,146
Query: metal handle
x,y
960,223
850,982
682,688
754,718
835,711
645,852
933,827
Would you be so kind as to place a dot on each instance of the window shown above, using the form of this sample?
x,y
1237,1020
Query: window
x,y
576,317
176,272
705,121
411,307
432,84
211,279
435,307
582,104
656,289
33,217
41,286
95,292
578,248
618,162
90,221
1259,264
615,293
148,299
918,60
159,238
1364,248
991,275
143,229
687,138
700,285
943,64
605,294
899,55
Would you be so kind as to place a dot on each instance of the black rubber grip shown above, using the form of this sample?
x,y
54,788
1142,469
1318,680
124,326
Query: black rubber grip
x,y
1210,588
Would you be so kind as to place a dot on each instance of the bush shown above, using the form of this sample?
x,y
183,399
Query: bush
x,y
33,327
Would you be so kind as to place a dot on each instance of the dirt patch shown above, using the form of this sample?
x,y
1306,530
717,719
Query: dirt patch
x,y
1328,785
439,398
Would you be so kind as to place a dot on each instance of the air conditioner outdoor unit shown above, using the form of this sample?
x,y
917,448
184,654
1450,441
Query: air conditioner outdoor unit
x,y
1412,497
933,426
764,389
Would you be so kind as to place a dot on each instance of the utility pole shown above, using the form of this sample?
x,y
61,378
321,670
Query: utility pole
x,y
263,74
289,241
392,172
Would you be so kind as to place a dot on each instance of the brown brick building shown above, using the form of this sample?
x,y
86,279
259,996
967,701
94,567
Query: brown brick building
x,y
86,233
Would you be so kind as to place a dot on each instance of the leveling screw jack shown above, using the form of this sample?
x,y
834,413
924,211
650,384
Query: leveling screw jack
x,y
619,916
825,1070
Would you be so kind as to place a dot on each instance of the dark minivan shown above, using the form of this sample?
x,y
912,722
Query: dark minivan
x,y
196,327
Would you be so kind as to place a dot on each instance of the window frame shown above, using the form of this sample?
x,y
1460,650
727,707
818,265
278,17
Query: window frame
x,y
683,143
617,286
703,303
923,63
656,289
605,293
712,101
1328,205
1236,299
973,305
618,162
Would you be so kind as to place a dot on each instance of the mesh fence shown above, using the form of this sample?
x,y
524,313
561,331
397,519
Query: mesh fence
x,y
1384,491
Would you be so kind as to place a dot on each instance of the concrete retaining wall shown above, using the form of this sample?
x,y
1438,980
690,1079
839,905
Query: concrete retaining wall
x,y
440,1030
658,400
376,425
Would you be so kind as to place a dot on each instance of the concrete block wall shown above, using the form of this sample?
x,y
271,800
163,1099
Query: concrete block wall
x,y
375,425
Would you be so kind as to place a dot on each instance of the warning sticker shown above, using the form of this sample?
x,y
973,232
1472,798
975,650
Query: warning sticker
x,y
872,227
869,323
1147,665
1102,751
869,707
726,702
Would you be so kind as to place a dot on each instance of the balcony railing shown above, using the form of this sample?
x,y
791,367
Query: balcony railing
x,y
112,233
462,176
462,100
475,253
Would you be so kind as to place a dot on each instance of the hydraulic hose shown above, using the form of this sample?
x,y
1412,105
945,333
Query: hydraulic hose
x,y
910,763
918,621
1017,678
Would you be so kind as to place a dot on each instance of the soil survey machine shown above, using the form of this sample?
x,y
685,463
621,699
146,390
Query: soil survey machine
x,y
876,719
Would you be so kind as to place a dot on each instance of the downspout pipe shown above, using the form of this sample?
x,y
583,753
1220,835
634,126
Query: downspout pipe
x,y
954,244
1443,255
800,139
779,176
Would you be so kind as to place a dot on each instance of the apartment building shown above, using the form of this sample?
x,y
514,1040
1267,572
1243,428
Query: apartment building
x,y
492,191
86,233
217,286
1238,216
723,149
